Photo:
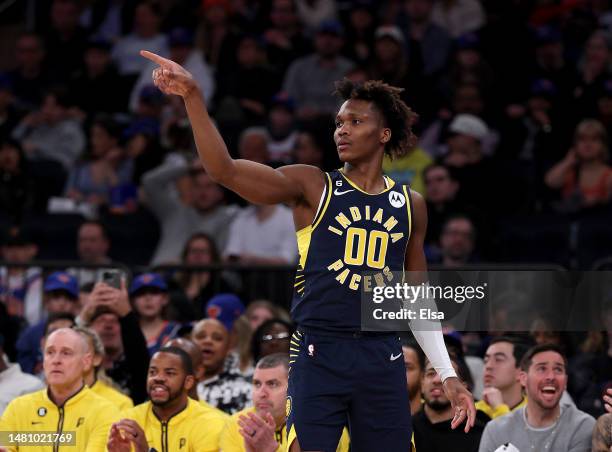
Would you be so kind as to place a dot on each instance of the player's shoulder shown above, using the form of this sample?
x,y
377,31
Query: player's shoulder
x,y
33,398
137,413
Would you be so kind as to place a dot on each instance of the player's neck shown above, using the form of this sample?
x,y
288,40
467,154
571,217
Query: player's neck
x,y
59,394
513,395
368,178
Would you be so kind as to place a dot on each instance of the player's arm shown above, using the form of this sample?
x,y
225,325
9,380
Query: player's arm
x,y
429,333
255,182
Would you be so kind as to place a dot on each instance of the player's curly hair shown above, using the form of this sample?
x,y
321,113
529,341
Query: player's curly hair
x,y
397,115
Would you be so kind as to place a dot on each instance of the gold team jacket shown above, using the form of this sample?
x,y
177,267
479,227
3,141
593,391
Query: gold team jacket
x,y
85,414
194,429
120,400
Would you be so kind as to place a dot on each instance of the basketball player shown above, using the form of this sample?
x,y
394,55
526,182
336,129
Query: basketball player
x,y
348,222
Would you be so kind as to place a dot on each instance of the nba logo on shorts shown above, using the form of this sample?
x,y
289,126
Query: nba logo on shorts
x,y
311,350
396,199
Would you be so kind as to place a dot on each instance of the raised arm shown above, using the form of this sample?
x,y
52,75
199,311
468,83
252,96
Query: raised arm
x,y
255,182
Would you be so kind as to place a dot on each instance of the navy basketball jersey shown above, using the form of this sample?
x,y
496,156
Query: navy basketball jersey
x,y
355,242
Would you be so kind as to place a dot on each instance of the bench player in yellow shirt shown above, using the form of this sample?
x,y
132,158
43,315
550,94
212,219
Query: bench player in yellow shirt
x,y
170,421
79,418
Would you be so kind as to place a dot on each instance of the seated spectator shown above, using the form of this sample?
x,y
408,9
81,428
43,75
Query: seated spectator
x,y
192,289
309,150
543,423
414,360
108,312
92,244
182,51
107,168
315,13
272,336
50,134
253,145
145,34
67,401
281,129
94,375
457,241
432,425
21,287
143,147
9,115
409,168
13,381
216,37
224,386
389,61
180,219
441,190
258,311
593,72
359,42
18,195
226,308
583,177
309,79
149,296
262,235
30,79
170,420
98,77
503,392
60,296
458,16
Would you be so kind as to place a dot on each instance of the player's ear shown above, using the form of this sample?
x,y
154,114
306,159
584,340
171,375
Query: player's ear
x,y
385,136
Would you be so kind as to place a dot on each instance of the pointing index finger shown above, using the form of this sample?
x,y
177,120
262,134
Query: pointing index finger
x,y
155,58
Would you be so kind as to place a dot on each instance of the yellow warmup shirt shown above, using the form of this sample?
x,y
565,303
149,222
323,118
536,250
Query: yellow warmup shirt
x,y
500,410
194,429
120,400
232,441
86,415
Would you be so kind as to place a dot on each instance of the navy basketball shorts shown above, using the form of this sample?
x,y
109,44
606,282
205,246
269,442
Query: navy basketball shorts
x,y
354,380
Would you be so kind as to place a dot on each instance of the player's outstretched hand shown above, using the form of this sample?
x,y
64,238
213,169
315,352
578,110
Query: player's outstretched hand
x,y
462,402
170,77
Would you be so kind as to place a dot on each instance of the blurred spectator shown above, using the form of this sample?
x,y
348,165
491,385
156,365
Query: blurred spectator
x,y
224,387
583,176
227,309
244,93
50,133
602,434
98,78
414,360
9,115
272,336
21,286
428,44
432,425
469,66
269,394
409,168
65,40
67,401
145,34
109,19
359,40
182,51
194,352
92,246
284,40
29,80
309,150
262,235
14,382
60,296
441,190
543,423
503,392
281,129
142,146
108,167
18,194
458,16
180,219
389,62
170,419
94,375
192,289
258,311
215,36
253,145
594,70
149,295
313,13
108,313
457,241
309,80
